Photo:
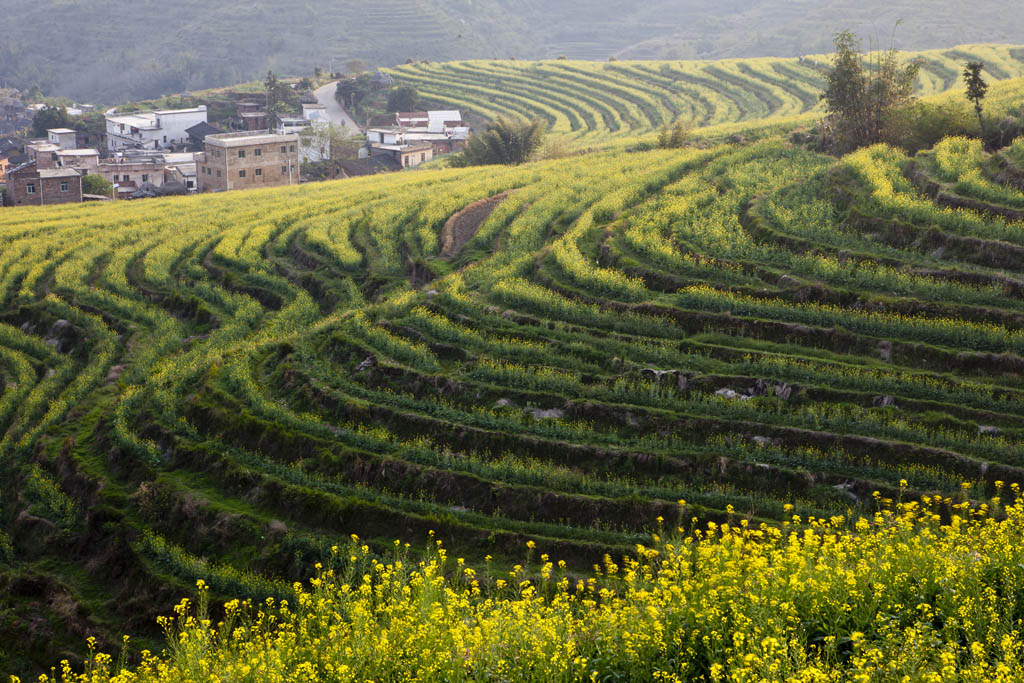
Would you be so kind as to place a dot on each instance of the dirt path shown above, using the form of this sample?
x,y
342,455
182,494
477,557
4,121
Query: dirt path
x,y
462,226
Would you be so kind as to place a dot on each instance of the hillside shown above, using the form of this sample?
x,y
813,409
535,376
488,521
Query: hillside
x,y
593,102
112,50
222,387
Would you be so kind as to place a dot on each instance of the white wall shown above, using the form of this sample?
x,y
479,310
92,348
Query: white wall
x,y
175,124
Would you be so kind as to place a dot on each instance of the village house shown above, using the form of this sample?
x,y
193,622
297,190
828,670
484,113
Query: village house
x,y
85,160
129,171
11,155
253,120
407,155
65,138
162,129
314,111
51,153
42,152
442,129
242,160
29,185
251,117
181,168
197,135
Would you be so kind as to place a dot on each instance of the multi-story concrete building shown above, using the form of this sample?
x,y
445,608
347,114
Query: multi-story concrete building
x,y
243,160
85,160
42,152
161,129
65,138
129,172
29,185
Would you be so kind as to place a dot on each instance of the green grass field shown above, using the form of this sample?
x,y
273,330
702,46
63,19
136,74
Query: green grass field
x,y
224,387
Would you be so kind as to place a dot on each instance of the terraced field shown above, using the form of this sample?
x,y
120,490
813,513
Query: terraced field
x,y
595,101
222,387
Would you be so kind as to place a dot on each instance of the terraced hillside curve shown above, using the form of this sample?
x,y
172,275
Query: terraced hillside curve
x,y
222,387
595,101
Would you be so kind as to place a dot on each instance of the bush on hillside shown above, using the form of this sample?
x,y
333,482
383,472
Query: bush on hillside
x,y
506,141
403,98
919,125
674,137
94,183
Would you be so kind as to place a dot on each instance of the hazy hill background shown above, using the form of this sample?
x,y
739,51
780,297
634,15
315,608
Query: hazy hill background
x,y
108,50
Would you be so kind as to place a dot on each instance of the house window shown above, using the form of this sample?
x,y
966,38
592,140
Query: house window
x,y
291,148
64,187
284,170
241,154
218,173
165,138
125,178
241,174
145,177
284,149
423,156
257,153
30,188
259,171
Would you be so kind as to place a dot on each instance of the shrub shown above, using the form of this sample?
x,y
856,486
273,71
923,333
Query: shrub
x,y
94,183
506,141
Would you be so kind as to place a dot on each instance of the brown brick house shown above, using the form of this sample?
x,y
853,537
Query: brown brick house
x,y
244,160
28,185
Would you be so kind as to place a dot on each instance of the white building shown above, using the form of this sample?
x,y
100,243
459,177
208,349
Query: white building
x,y
62,137
314,112
153,129
443,130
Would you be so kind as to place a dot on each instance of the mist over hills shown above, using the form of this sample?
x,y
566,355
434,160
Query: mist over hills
x,y
110,50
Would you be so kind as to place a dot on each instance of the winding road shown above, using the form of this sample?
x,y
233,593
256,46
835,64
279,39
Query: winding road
x,y
335,112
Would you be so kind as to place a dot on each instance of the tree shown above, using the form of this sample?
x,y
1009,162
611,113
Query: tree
x,y
50,117
327,140
318,72
403,98
976,89
272,90
277,96
860,100
352,90
355,66
94,183
506,141
674,137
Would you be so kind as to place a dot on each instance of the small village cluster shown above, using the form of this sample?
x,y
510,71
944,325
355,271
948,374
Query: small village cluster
x,y
177,152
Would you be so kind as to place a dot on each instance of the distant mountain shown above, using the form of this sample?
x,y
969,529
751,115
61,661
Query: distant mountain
x,y
109,50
